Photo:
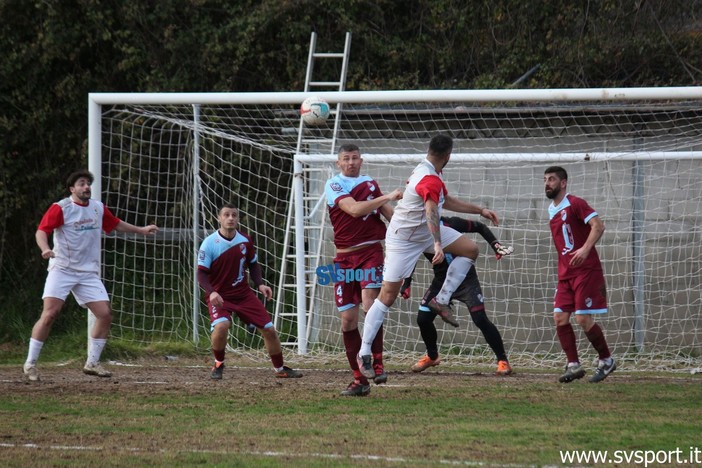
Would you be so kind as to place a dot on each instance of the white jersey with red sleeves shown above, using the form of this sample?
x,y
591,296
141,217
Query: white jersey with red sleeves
x,y
350,231
424,183
77,233
226,261
570,229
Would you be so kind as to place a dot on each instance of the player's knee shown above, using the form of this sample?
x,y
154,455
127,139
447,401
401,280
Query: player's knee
x,y
472,251
269,332
479,317
586,321
49,315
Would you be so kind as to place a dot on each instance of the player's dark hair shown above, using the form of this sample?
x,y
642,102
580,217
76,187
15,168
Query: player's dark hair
x,y
348,148
230,206
441,146
73,178
559,171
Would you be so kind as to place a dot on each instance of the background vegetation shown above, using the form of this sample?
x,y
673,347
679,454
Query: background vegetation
x,y
55,52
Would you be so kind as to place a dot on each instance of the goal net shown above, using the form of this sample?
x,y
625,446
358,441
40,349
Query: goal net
x,y
635,155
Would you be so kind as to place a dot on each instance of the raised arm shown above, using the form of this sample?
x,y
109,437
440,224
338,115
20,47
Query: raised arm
x,y
460,206
361,208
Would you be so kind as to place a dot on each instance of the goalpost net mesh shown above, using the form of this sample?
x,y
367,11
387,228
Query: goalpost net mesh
x,y
635,162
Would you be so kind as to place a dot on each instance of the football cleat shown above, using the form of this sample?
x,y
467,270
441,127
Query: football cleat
x,y
503,368
217,371
95,368
425,363
356,388
444,311
603,370
364,365
572,373
380,376
288,373
30,370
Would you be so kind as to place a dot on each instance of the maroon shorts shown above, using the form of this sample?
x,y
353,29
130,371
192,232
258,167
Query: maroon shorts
x,y
247,307
362,269
585,293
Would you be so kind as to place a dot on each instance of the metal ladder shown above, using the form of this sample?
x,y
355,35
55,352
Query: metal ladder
x,y
315,213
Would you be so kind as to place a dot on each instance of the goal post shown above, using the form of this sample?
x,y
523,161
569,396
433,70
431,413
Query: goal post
x,y
634,153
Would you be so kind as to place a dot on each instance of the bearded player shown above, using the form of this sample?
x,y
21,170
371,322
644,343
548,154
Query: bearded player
x,y
581,289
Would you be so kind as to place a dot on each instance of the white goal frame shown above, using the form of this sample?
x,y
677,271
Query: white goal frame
x,y
611,95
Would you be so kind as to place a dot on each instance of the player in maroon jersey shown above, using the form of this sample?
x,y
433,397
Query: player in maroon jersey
x,y
355,203
581,289
223,259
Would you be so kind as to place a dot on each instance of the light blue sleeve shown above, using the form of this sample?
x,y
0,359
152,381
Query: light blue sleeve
x,y
333,190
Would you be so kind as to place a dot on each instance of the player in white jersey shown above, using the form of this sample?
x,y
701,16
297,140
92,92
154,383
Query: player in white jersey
x,y
415,228
74,267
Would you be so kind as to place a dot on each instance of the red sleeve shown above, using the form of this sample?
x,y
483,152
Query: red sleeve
x,y
52,219
109,221
430,188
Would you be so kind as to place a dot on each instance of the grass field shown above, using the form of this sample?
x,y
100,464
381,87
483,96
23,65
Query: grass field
x,y
169,413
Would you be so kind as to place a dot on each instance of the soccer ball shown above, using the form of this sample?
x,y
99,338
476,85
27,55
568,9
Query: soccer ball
x,y
314,111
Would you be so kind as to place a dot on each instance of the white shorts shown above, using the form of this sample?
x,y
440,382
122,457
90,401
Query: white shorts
x,y
85,286
404,246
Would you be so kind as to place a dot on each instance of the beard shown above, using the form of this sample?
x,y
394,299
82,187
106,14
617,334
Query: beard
x,y
553,193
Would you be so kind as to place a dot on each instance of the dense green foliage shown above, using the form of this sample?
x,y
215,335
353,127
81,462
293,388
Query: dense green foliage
x,y
55,52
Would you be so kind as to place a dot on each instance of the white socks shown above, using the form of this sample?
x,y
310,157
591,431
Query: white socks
x,y
457,271
34,350
371,324
95,347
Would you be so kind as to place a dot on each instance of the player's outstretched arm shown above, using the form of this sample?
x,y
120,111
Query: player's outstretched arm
x,y
149,230
361,208
454,204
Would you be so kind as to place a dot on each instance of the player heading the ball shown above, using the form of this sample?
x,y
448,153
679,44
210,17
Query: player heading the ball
x,y
416,228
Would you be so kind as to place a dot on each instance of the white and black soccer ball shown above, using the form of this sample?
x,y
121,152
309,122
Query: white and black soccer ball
x,y
314,111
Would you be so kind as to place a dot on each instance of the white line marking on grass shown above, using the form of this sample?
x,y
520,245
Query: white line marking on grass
x,y
271,454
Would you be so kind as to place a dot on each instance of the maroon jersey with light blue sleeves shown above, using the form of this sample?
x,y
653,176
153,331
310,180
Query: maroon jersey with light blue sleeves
x,y
350,231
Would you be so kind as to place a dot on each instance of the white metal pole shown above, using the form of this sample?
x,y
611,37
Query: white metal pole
x,y
94,165
196,219
300,261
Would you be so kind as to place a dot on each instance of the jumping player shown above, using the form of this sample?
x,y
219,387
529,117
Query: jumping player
x,y
415,228
222,261
582,290
469,292
355,203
